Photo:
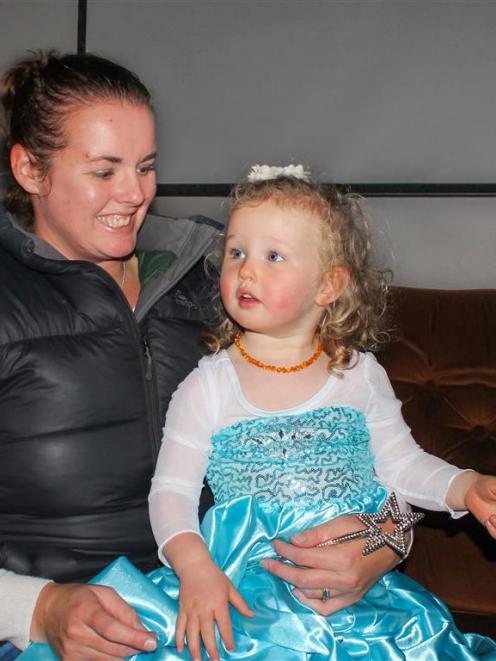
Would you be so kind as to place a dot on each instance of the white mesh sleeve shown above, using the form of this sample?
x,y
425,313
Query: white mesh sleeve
x,y
182,463
400,463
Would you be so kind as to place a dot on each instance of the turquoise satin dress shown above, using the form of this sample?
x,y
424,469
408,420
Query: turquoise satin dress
x,y
271,478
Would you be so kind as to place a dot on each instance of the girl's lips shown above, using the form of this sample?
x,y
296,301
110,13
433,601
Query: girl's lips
x,y
246,300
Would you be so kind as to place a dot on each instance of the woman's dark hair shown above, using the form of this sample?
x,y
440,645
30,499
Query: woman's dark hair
x,y
36,95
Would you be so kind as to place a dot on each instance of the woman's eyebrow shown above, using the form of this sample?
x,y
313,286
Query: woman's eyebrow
x,y
118,159
150,156
103,157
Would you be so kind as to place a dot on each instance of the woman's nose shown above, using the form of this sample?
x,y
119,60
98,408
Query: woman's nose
x,y
132,189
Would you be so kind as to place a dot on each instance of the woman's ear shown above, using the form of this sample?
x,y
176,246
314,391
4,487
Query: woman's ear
x,y
334,282
25,169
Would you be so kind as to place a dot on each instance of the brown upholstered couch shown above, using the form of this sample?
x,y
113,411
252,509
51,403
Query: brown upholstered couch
x,y
443,367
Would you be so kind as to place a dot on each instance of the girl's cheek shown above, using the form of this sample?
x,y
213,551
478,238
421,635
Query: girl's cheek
x,y
224,286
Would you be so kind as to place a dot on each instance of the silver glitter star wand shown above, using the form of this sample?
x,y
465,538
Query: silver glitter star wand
x,y
373,533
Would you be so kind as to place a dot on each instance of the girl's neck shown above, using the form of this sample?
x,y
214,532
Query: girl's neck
x,y
273,391
279,350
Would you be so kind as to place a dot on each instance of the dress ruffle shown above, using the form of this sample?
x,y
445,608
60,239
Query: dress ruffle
x,y
397,619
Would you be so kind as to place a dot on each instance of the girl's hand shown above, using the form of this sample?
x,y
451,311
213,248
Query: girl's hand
x,y
341,569
204,597
480,499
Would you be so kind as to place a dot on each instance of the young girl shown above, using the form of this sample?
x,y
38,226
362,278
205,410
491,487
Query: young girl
x,y
293,424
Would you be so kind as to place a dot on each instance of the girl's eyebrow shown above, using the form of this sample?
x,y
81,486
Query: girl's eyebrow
x,y
273,239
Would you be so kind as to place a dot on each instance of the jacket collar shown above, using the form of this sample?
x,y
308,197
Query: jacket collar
x,y
187,240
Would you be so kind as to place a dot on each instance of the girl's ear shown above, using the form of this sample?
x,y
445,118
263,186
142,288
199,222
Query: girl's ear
x,y
25,169
334,282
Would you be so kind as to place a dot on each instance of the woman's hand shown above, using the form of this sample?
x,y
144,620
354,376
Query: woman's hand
x,y
480,499
84,622
204,597
341,570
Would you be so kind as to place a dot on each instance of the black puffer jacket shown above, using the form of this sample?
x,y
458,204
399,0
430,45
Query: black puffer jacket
x,y
84,387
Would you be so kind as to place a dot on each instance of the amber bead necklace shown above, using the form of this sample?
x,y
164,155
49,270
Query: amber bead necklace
x,y
276,368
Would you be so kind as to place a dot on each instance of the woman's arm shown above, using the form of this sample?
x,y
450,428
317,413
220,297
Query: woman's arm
x,y
82,622
340,569
21,594
78,621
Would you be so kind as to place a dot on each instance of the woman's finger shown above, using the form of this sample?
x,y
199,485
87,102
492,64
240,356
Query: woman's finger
x,y
335,528
114,635
332,605
318,593
301,577
329,558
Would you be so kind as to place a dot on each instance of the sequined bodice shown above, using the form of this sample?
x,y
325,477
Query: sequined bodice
x,y
313,459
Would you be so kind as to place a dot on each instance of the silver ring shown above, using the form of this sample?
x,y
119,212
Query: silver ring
x,y
326,595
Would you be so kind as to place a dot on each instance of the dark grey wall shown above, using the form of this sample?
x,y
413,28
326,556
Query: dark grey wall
x,y
397,90
362,90
32,24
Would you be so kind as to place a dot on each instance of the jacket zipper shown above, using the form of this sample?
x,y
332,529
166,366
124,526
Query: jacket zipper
x,y
148,359
151,395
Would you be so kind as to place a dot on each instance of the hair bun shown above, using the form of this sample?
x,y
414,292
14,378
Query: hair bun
x,y
15,78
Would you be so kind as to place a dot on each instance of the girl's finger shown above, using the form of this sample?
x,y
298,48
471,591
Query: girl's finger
x,y
239,603
223,619
180,630
193,638
208,637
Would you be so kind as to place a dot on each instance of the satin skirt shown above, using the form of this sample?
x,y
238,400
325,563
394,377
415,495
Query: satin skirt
x,y
397,619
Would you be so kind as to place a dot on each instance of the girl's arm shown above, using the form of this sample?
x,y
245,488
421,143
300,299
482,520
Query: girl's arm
x,y
204,597
205,591
420,478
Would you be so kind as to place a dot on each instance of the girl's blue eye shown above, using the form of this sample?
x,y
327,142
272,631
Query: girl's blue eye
x,y
274,256
236,253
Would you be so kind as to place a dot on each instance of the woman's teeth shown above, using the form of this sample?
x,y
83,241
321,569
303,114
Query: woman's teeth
x,y
114,220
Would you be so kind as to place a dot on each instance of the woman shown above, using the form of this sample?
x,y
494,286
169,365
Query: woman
x,y
98,326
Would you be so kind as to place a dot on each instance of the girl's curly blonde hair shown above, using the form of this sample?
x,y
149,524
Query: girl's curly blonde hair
x,y
356,320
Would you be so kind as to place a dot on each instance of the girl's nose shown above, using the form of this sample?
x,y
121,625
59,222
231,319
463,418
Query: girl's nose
x,y
247,270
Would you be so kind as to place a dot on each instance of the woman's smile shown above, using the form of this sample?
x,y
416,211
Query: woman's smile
x,y
114,220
